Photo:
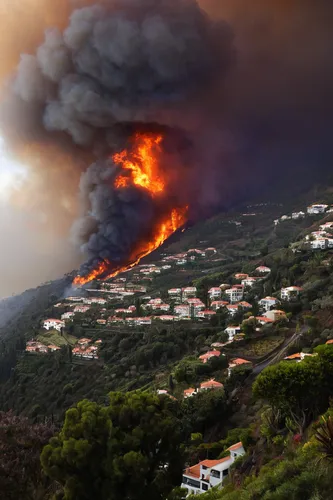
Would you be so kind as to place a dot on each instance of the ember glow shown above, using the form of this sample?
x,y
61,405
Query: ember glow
x,y
142,169
141,164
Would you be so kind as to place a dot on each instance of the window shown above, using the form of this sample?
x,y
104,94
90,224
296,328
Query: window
x,y
215,473
225,472
191,482
204,487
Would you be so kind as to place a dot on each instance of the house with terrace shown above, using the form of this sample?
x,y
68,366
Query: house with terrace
x,y
210,473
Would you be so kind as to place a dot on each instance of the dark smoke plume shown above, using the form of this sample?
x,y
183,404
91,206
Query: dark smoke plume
x,y
119,66
252,113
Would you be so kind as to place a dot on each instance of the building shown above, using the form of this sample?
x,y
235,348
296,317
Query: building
x,y
210,384
218,304
241,276
234,363
166,317
33,346
267,303
215,293
232,309
263,270
81,309
244,305
53,324
298,215
290,293
182,310
298,356
263,320
232,331
67,315
235,293
208,355
189,291
249,282
319,244
174,292
188,393
205,314
210,473
275,315
317,209
327,225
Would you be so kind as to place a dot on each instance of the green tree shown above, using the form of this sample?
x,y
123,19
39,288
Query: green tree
x,y
129,449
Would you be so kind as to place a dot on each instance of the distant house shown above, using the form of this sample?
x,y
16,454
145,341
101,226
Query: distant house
x,y
290,293
316,235
268,302
263,269
67,315
210,473
319,244
37,347
235,293
263,320
182,310
241,276
218,304
275,315
166,317
232,331
298,215
101,321
189,392
53,324
232,309
298,356
53,348
234,363
327,225
189,291
316,209
210,384
81,309
206,314
244,305
249,281
214,293
208,355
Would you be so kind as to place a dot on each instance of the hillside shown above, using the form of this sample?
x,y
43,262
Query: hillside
x,y
197,323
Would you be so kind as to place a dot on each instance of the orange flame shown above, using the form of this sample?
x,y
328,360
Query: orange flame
x,y
143,168
142,164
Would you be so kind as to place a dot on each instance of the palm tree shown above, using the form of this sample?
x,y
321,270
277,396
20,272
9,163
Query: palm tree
x,y
325,437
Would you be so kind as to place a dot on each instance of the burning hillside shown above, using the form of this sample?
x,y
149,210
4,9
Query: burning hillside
x,y
141,169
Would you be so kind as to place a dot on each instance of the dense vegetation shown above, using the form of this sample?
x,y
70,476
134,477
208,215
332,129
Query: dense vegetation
x,y
114,438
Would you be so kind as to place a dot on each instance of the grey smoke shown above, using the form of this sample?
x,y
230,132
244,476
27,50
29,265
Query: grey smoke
x,y
120,65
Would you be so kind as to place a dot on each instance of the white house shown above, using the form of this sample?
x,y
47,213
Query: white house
x,y
232,331
215,293
291,292
327,225
249,282
53,324
298,215
317,209
206,314
189,291
319,244
263,269
235,294
182,310
67,315
174,292
209,473
275,315
268,302
232,309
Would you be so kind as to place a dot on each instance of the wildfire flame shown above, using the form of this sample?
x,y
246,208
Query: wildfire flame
x,y
142,164
143,168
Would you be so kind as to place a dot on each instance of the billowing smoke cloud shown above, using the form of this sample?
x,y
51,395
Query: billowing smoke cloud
x,y
117,67
255,111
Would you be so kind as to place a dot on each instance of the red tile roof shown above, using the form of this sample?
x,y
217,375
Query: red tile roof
x,y
235,446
